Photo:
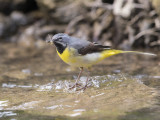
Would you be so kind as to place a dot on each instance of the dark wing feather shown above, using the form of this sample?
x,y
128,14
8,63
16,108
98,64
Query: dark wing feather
x,y
91,48
84,47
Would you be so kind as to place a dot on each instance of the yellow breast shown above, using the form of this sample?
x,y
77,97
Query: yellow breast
x,y
71,57
68,55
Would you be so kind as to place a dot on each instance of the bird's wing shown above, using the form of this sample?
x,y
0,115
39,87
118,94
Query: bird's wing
x,y
92,48
84,47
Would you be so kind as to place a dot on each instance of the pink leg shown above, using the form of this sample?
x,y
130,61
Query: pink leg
x,y
86,82
76,83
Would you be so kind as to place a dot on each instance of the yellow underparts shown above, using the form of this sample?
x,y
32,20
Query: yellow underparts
x,y
71,57
108,53
68,55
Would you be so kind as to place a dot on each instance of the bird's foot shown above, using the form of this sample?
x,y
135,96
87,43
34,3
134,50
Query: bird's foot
x,y
75,86
83,88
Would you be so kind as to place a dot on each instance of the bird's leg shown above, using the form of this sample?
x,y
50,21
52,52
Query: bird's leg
x,y
81,70
76,83
87,78
88,75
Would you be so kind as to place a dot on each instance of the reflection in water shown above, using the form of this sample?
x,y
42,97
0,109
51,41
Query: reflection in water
x,y
10,85
75,114
94,81
97,95
38,83
28,105
47,87
7,114
57,106
3,103
26,71
79,110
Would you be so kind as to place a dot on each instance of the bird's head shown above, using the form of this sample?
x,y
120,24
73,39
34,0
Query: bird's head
x,y
60,40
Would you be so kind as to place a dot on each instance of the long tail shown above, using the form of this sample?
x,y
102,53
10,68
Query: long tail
x,y
108,53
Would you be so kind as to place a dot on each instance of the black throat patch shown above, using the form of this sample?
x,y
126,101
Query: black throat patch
x,y
60,47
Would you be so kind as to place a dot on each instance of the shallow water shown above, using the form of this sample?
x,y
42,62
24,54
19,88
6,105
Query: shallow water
x,y
34,84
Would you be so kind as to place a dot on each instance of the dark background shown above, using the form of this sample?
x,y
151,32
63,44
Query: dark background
x,y
119,23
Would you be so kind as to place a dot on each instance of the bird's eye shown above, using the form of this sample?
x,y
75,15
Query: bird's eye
x,y
60,38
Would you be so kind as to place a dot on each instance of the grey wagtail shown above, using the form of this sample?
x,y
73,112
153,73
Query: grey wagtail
x,y
81,53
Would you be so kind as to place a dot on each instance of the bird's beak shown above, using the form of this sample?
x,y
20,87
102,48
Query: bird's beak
x,y
49,41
